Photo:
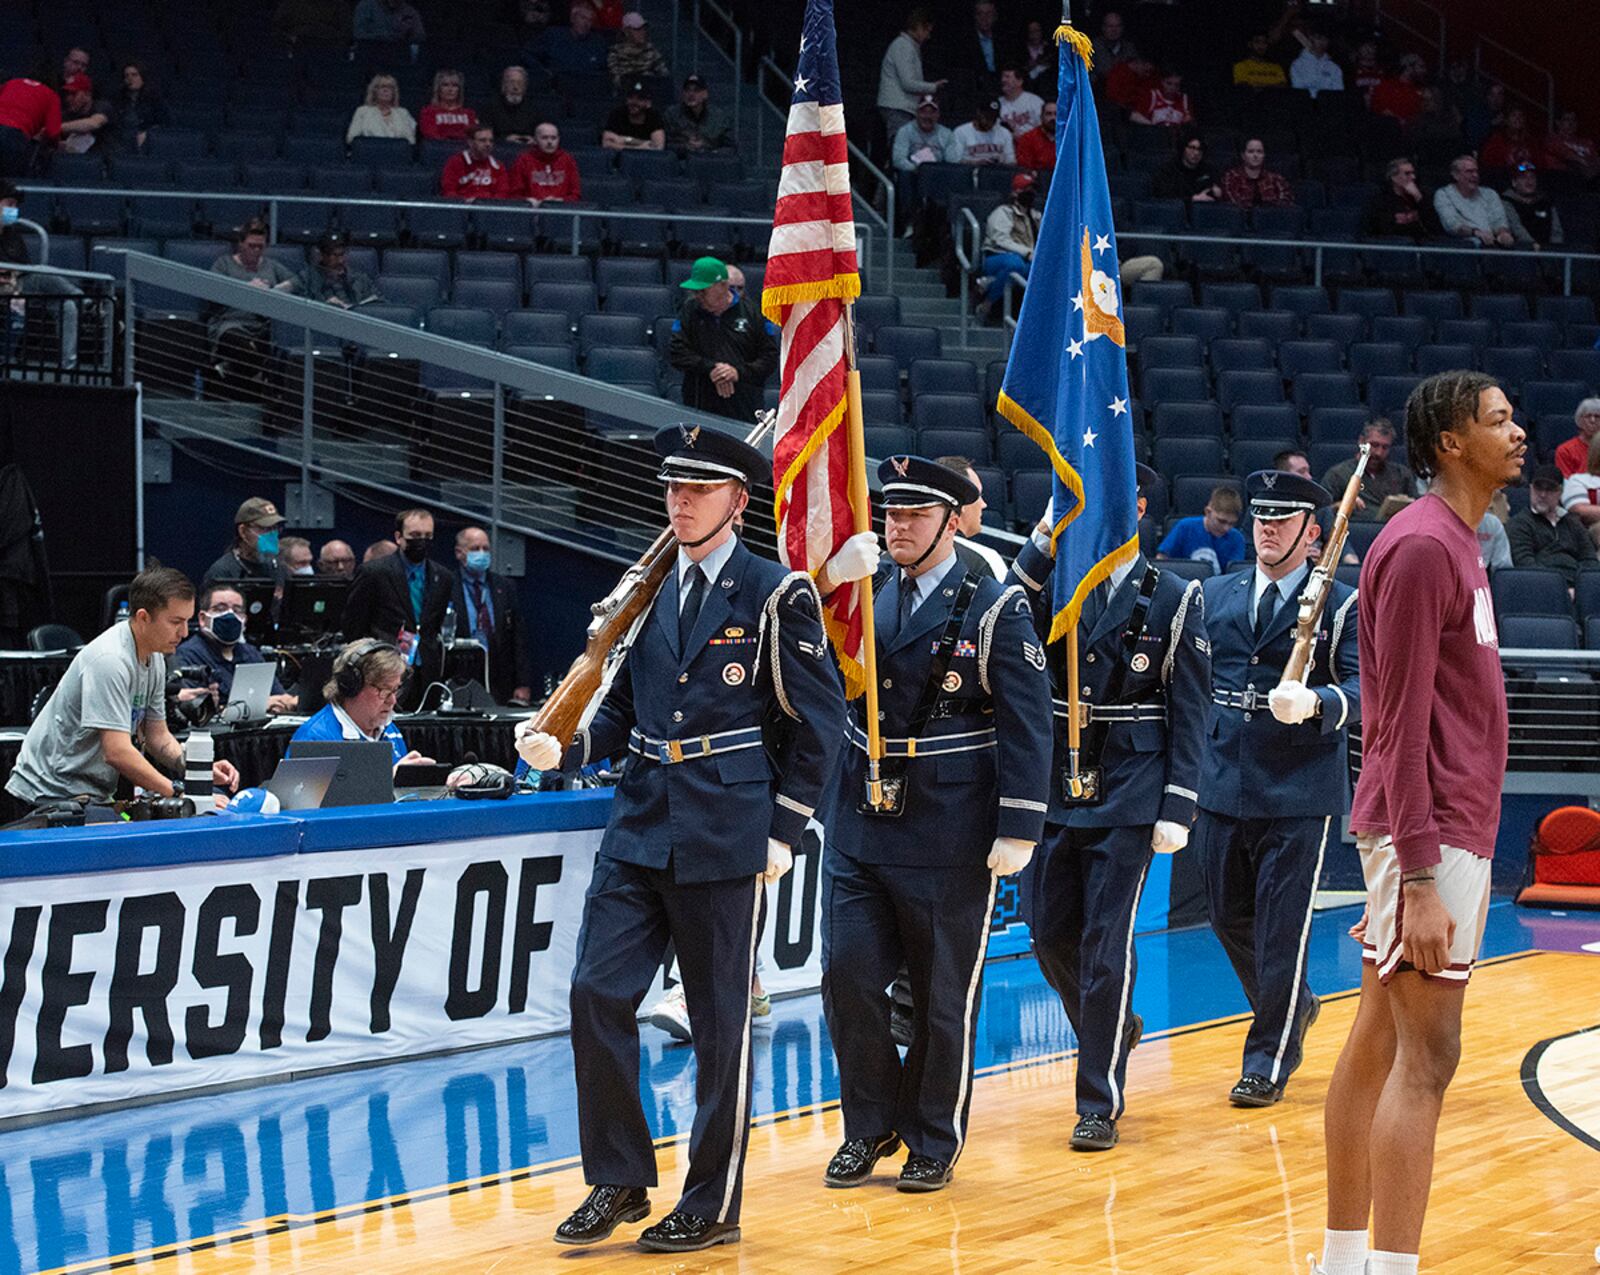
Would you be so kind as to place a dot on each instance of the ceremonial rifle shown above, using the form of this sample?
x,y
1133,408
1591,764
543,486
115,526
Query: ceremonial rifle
x,y
1314,597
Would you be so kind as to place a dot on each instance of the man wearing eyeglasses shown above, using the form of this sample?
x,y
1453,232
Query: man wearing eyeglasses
x,y
368,677
1400,208
219,648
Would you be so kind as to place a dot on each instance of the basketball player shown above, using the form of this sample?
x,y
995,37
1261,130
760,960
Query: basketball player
x,y
1425,814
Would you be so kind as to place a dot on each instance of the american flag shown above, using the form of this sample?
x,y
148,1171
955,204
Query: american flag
x,y
811,275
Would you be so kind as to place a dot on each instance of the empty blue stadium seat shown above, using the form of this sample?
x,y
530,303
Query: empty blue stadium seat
x,y
1030,493
557,356
198,253
1499,307
1444,358
1273,421
1250,454
1171,351
1273,326
1174,385
142,170
1140,322
1530,591
495,295
382,152
873,312
1337,425
434,263
1541,334
1187,420
1408,330
1232,297
623,366
1301,300
486,265
223,217
1538,632
1549,432
1478,333
648,301
1386,396
168,142
1325,389
1588,592
1241,354
1208,323
1378,358
1434,305
92,214
1566,310
305,222
1175,458
1192,492
942,376
1512,366
155,218
903,344
615,330
889,440
1343,329
1165,294
422,292
435,226
948,411
878,372
311,149
1541,398
613,271
879,407
406,316
536,327
1235,388
471,324
1296,358
573,299
970,443
1016,451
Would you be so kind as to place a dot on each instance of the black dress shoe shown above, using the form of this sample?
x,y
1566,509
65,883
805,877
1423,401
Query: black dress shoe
x,y
681,1232
924,1173
1135,1034
1254,1091
606,1209
853,1162
1094,1133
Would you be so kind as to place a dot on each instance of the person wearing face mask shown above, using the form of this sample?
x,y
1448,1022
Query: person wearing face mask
x,y
219,648
401,599
294,555
1009,237
487,606
254,552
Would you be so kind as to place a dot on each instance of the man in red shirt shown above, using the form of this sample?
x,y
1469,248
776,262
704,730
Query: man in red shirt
x,y
1572,457
1400,96
1036,149
475,173
1426,813
544,173
1129,84
28,110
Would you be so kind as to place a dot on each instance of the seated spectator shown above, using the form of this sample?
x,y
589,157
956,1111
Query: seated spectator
x,y
29,112
254,552
1401,208
1036,149
1256,70
1546,534
725,353
378,549
392,23
86,121
1365,72
1381,479
901,81
1129,84
981,141
138,107
1513,143
922,140
242,338
331,280
633,57
1251,184
1009,237
1167,106
1314,72
219,648
13,243
1534,209
382,115
369,713
512,115
1212,536
313,22
693,125
1187,175
1567,150
1040,61
1400,96
1291,460
107,719
337,558
635,124
294,556
1434,132
544,173
1580,492
1019,109
1112,48
14,248
1572,457
475,173
75,61
576,50
447,116
1466,211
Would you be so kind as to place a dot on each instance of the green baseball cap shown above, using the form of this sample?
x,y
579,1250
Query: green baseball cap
x,y
707,272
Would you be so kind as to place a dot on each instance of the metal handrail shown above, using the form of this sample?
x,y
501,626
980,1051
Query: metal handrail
x,y
969,262
737,57
1484,41
44,236
1441,43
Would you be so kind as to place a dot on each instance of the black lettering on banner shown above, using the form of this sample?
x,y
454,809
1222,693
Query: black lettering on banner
x,y
389,942
214,968
527,935
487,879
13,980
276,984
330,896
63,989
145,993
787,953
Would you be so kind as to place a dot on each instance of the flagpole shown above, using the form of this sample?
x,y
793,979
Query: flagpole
x,y
1074,716
861,508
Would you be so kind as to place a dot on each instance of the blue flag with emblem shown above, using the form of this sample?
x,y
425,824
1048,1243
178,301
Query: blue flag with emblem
x,y
1066,382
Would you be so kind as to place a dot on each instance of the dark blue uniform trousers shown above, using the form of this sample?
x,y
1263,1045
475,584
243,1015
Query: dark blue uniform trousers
x,y
1260,879
628,917
1085,893
936,921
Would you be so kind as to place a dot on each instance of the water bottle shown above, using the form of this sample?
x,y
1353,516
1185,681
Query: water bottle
x,y
199,751
447,631
122,611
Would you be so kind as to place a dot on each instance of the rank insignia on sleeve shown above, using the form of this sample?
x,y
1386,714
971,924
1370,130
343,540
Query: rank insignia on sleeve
x,y
1033,654
1140,663
813,649
1202,646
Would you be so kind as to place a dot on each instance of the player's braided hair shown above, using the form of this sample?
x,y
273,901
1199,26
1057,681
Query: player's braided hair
x,y
1440,402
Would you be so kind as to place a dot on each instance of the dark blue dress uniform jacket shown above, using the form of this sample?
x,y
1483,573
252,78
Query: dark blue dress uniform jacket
x,y
1256,767
1150,770
957,803
757,659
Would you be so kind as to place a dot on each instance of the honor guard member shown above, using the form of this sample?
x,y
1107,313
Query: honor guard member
x,y
1144,683
731,708
1276,771
966,763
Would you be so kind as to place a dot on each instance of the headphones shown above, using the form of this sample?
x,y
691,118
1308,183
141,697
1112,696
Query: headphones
x,y
349,671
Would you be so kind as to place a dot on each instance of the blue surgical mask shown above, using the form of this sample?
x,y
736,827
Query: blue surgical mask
x,y
267,542
304,571
478,560
10,216
227,627
734,294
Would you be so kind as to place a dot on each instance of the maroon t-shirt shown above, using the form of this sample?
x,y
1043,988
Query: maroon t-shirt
x,y
1433,700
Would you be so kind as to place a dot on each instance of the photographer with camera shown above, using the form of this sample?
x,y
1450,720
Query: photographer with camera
x,y
106,718
219,648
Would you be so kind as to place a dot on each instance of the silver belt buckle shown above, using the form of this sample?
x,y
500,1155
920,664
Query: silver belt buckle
x,y
1247,699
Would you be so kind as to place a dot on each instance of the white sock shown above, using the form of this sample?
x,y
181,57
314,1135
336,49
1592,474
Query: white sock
x,y
1392,1263
1344,1252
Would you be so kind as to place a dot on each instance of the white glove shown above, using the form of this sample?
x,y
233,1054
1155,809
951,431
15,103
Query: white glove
x,y
1292,702
539,750
1169,837
856,560
779,859
1009,856
1044,527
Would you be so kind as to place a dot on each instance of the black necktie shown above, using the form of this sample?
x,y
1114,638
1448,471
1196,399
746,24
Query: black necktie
x,y
908,599
1266,608
695,582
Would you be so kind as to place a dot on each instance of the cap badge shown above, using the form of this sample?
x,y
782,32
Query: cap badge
x,y
1269,479
691,433
900,464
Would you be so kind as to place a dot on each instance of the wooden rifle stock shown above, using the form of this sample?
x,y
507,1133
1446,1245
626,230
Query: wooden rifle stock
x,y
1314,597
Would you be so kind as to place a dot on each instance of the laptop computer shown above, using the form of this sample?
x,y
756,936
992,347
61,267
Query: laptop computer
x,y
302,783
365,776
252,687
